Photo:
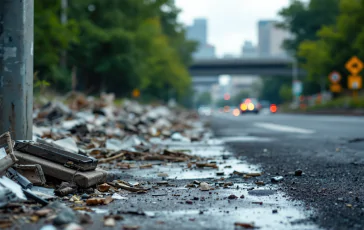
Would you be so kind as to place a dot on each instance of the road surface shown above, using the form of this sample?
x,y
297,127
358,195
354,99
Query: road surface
x,y
328,149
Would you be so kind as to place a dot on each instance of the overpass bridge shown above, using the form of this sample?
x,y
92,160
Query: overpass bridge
x,y
245,66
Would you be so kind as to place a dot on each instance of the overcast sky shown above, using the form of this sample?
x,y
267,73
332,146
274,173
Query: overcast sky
x,y
230,22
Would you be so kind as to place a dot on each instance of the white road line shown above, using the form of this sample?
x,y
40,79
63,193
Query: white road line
x,y
283,128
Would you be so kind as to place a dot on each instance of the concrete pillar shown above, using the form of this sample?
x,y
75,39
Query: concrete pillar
x,y
16,67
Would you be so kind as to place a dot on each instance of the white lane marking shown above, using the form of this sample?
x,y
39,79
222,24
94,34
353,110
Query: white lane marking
x,y
283,128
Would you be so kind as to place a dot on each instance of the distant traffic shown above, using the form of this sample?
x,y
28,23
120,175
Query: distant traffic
x,y
247,106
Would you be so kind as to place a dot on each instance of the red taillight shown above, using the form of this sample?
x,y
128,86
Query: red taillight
x,y
273,108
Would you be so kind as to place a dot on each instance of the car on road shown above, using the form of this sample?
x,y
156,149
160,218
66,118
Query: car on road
x,y
250,105
267,107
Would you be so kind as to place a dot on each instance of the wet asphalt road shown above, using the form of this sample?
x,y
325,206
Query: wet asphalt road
x,y
329,150
329,194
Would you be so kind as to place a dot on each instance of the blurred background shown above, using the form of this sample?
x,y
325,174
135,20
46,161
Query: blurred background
x,y
201,53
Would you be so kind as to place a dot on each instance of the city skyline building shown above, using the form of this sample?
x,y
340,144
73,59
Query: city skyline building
x,y
270,39
198,32
249,50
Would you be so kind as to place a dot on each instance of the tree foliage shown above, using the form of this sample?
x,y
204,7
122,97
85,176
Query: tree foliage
x,y
116,46
327,33
308,22
272,87
336,42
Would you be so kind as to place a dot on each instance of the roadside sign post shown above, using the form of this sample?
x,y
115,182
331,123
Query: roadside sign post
x,y
335,78
16,68
354,66
297,88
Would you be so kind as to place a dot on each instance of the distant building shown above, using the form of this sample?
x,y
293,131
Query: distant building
x,y
198,32
270,39
205,51
249,50
276,43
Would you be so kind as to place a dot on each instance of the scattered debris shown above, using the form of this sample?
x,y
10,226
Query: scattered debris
x,y
204,186
109,222
298,172
103,187
131,227
245,225
207,165
232,197
277,179
355,140
7,157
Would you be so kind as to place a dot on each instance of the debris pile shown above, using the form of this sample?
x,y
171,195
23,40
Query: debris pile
x,y
74,146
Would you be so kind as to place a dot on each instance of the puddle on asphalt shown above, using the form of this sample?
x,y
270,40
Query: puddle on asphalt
x,y
225,161
180,170
290,215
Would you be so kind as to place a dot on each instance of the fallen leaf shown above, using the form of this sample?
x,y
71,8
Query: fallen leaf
x,y
108,200
253,174
146,166
34,218
103,187
43,212
95,201
83,208
244,225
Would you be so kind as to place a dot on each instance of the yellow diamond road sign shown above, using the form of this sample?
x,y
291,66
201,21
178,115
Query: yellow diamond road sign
x,y
354,65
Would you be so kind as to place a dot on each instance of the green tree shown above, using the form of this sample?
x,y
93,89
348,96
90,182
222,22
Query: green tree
x,y
116,46
303,20
336,43
285,93
50,38
271,88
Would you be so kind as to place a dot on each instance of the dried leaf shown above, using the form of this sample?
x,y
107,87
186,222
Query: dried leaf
x,y
108,200
43,212
103,187
34,219
95,201
245,225
146,166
